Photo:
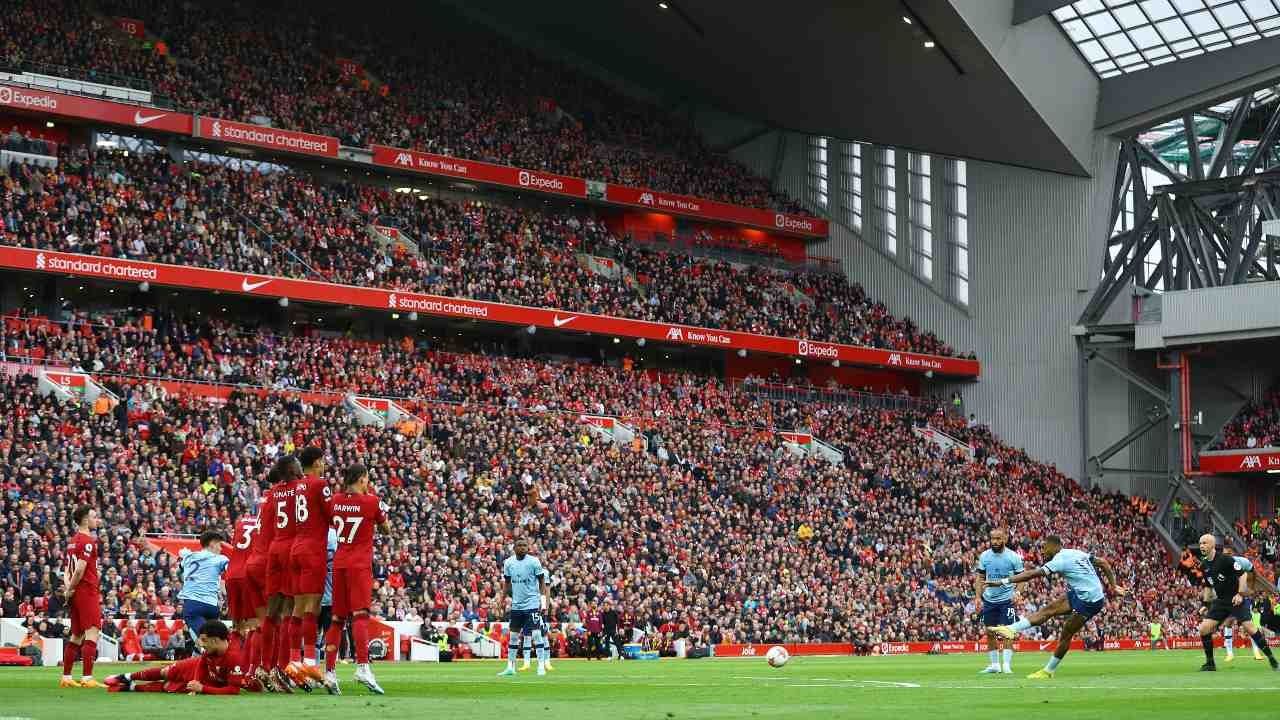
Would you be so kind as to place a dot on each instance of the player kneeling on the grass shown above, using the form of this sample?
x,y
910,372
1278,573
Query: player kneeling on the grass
x,y
354,511
218,670
1226,585
1085,596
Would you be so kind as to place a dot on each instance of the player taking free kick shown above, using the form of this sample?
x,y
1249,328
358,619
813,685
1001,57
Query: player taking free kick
x,y
1085,596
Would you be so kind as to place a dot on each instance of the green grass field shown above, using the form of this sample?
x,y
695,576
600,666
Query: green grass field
x,y
1114,685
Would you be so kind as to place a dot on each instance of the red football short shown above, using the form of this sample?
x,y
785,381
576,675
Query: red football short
x,y
243,597
86,611
308,570
279,578
352,590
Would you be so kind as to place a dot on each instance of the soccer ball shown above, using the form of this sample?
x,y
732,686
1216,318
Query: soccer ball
x,y
777,656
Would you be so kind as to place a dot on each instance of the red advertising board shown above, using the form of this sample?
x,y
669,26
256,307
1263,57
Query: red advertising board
x,y
73,106
302,143
482,172
538,181
716,211
129,26
1241,461
946,647
759,649
438,306
267,137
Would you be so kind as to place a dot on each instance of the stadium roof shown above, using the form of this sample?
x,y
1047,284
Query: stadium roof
x,y
852,70
1124,36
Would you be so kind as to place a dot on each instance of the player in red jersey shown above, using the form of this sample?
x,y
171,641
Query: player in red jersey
x,y
309,559
261,648
279,514
220,670
80,573
355,511
243,601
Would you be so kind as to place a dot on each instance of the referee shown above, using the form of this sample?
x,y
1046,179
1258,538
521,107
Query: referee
x,y
1226,584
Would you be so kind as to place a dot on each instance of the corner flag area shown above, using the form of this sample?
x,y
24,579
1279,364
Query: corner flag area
x,y
1136,684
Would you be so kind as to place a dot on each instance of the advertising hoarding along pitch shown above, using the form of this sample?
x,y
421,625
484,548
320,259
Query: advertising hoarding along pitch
x,y
409,302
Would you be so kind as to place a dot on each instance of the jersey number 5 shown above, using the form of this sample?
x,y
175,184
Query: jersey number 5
x,y
282,518
347,528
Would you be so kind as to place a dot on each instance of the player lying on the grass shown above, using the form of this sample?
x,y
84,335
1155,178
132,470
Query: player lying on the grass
x,y
219,670
1226,587
1085,596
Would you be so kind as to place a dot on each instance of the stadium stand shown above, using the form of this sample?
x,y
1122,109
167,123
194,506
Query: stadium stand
x,y
1257,425
709,523
143,206
476,96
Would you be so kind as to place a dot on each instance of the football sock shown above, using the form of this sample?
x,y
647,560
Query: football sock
x,y
332,640
994,657
1207,642
149,687
309,628
280,653
1229,640
147,675
295,639
360,636
254,643
1022,624
540,644
1008,657
1053,663
88,654
267,643
1260,643
69,655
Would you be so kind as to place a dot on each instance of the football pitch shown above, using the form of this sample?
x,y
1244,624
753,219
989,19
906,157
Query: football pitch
x,y
1113,685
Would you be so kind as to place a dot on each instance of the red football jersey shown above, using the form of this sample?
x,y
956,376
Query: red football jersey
x,y
242,537
83,546
311,512
261,541
354,516
281,513
225,672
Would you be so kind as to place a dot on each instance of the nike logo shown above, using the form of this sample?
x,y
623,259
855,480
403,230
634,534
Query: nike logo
x,y
561,322
140,119
250,287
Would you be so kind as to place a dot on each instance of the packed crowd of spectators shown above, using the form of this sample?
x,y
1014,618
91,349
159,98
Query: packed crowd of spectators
x,y
143,206
1257,425
703,524
468,92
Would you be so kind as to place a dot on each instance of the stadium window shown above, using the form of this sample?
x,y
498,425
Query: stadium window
x,y
958,185
920,213
888,199
818,170
853,185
